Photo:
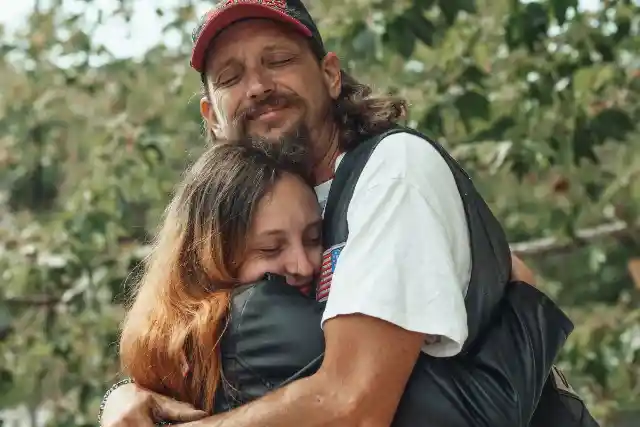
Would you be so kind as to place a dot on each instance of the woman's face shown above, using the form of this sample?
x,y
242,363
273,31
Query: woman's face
x,y
285,236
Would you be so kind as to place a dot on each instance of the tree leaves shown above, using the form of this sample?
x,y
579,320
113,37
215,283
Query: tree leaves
x,y
6,320
527,26
496,131
421,27
400,37
613,123
609,123
451,8
471,105
561,7
589,80
432,122
403,31
540,103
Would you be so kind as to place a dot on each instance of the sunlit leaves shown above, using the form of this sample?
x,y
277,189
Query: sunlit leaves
x,y
527,26
538,101
561,8
471,105
451,8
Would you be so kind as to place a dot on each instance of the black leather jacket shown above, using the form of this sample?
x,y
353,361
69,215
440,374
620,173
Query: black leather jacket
x,y
274,337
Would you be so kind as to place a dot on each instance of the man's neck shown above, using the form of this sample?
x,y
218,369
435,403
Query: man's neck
x,y
329,150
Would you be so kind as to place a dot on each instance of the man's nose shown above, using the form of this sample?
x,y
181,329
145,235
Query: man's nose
x,y
259,86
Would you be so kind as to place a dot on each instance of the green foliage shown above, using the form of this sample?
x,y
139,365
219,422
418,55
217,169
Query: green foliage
x,y
539,101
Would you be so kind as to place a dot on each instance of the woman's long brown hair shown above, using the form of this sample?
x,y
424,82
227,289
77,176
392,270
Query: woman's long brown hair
x,y
180,304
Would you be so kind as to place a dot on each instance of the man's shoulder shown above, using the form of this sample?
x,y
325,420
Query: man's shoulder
x,y
407,156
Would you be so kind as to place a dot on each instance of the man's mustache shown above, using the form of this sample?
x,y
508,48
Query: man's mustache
x,y
274,100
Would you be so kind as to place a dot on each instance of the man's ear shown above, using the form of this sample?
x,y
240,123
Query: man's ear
x,y
209,115
332,75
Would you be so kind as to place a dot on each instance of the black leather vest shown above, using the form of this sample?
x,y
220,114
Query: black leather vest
x,y
515,331
490,253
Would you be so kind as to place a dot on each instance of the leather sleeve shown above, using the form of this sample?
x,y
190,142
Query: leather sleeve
x,y
560,405
274,337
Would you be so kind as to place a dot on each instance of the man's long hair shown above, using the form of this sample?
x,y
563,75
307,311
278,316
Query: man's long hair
x,y
360,115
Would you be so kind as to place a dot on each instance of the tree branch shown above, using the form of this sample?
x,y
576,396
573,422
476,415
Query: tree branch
x,y
32,300
553,245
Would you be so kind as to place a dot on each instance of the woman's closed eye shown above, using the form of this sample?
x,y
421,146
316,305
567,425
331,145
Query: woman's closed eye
x,y
280,62
313,234
313,241
270,250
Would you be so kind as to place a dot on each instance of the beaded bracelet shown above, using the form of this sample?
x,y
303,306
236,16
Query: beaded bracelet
x,y
106,395
111,390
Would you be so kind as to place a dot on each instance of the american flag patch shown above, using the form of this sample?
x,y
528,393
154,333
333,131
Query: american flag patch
x,y
329,261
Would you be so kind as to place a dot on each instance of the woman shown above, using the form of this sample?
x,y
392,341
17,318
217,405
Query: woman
x,y
241,211
207,329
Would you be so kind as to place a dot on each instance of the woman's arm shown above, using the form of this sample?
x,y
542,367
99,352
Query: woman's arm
x,y
128,405
359,383
272,337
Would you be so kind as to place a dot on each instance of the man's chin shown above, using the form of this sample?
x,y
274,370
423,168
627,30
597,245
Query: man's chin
x,y
273,132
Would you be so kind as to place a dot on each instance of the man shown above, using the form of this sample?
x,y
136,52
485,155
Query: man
x,y
266,72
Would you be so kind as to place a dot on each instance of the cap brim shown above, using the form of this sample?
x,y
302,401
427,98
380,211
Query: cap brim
x,y
234,13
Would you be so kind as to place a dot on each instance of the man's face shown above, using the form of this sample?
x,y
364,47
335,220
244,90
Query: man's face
x,y
264,80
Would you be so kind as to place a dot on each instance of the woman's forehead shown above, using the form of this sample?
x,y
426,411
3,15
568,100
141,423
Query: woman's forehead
x,y
290,204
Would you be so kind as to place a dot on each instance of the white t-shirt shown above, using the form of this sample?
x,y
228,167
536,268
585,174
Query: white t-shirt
x,y
407,259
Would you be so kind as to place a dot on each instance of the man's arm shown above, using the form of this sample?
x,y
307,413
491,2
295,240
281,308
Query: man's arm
x,y
360,382
521,272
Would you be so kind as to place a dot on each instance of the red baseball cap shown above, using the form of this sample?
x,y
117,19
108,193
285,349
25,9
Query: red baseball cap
x,y
227,12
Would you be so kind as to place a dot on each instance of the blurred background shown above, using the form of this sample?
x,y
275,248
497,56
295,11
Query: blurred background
x,y
540,102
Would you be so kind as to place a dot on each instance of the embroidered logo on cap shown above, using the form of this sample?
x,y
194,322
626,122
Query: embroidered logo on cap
x,y
276,4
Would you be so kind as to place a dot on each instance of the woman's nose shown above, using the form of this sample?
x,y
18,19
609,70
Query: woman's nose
x,y
301,268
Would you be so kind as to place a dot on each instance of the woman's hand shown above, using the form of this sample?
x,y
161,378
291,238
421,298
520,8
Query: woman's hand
x,y
132,406
520,271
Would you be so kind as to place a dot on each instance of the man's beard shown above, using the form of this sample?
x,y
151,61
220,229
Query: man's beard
x,y
295,143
